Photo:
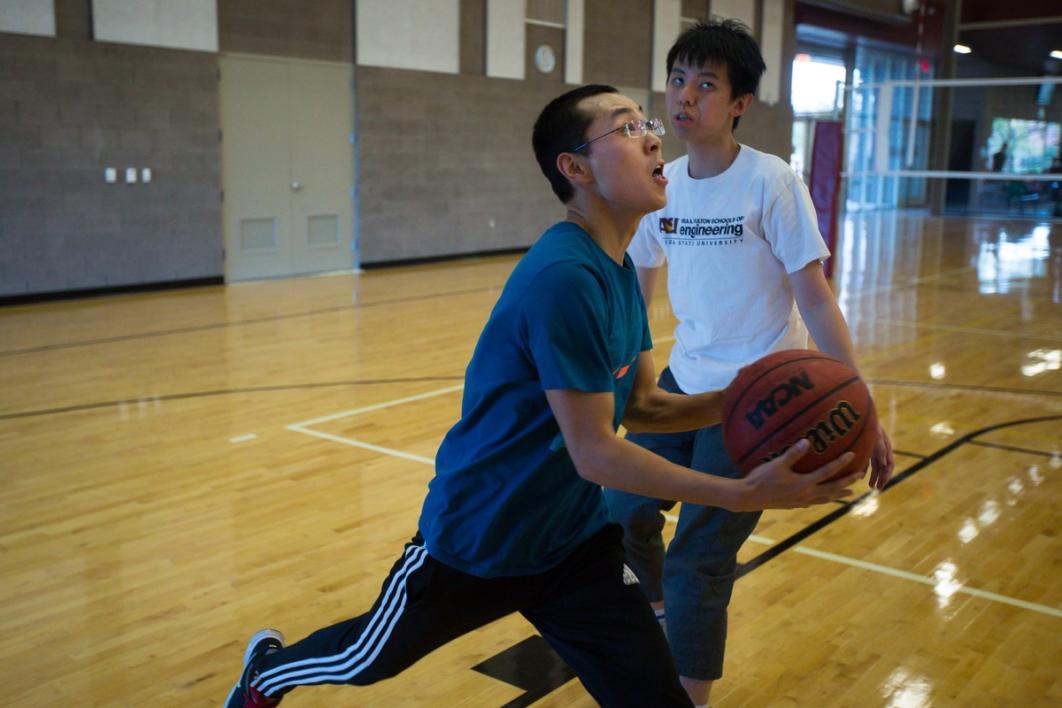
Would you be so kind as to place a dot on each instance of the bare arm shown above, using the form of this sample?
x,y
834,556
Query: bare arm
x,y
818,307
651,409
647,278
603,458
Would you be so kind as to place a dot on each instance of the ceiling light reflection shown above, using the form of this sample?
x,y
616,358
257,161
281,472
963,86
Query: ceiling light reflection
x,y
946,584
989,513
942,428
969,531
937,370
1034,475
1043,360
904,690
867,506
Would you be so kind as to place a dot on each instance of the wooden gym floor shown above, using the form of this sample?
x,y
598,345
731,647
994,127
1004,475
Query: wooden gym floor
x,y
180,469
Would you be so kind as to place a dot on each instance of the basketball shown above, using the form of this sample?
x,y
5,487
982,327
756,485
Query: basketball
x,y
793,394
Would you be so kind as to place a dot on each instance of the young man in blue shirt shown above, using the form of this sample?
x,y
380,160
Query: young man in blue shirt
x,y
515,519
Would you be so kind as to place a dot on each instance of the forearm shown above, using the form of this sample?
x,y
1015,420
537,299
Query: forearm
x,y
661,412
619,464
829,330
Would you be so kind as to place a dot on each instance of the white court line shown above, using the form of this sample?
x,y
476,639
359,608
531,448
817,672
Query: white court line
x,y
378,406
243,438
301,427
932,582
886,570
864,565
364,445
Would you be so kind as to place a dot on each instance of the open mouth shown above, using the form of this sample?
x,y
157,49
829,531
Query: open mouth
x,y
683,118
658,174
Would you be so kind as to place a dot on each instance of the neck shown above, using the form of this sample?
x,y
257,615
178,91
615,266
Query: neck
x,y
712,158
611,231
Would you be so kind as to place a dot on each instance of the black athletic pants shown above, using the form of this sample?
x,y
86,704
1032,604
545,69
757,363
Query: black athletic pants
x,y
585,608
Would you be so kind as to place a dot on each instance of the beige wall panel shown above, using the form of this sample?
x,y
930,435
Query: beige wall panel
x,y
409,34
180,24
505,39
574,41
28,17
666,27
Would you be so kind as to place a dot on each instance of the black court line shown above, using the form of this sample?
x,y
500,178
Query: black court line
x,y
538,655
1013,448
782,546
963,387
908,454
221,392
531,665
239,323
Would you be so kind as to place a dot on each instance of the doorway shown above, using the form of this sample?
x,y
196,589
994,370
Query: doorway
x,y
287,166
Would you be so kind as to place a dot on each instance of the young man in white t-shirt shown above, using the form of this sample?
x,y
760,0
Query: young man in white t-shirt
x,y
744,255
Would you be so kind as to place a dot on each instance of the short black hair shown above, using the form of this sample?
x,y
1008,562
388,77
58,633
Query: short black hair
x,y
728,42
560,127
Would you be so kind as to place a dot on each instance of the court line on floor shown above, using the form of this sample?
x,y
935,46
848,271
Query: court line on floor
x,y
905,575
896,573
1011,448
956,328
364,445
238,323
787,545
910,283
379,406
156,399
303,426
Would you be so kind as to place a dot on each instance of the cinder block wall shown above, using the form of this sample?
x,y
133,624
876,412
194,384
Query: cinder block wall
x,y
445,163
68,109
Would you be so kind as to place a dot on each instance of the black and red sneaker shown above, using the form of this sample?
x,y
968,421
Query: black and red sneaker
x,y
243,694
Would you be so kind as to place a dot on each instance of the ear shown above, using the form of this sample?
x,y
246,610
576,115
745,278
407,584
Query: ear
x,y
740,105
575,168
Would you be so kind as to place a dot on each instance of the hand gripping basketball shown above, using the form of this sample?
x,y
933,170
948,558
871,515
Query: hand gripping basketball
x,y
775,484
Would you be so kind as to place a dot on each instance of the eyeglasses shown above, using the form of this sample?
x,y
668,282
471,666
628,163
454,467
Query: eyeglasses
x,y
632,129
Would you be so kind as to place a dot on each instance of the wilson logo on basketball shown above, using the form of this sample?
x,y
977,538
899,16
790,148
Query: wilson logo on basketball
x,y
777,398
838,422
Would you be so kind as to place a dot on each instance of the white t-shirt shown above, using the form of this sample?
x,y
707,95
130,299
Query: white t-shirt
x,y
729,242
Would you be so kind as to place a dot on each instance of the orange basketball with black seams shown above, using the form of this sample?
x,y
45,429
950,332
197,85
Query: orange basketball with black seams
x,y
793,394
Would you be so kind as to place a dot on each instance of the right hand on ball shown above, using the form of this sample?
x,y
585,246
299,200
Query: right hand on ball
x,y
774,484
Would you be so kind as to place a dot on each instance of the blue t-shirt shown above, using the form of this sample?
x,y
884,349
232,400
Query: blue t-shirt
x,y
506,499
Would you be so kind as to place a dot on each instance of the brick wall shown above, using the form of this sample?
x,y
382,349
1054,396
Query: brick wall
x,y
68,109
619,42
320,29
445,164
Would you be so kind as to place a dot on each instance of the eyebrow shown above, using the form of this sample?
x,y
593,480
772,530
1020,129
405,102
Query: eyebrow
x,y
712,74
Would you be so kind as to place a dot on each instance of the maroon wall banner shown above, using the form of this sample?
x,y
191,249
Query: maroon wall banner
x,y
825,187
